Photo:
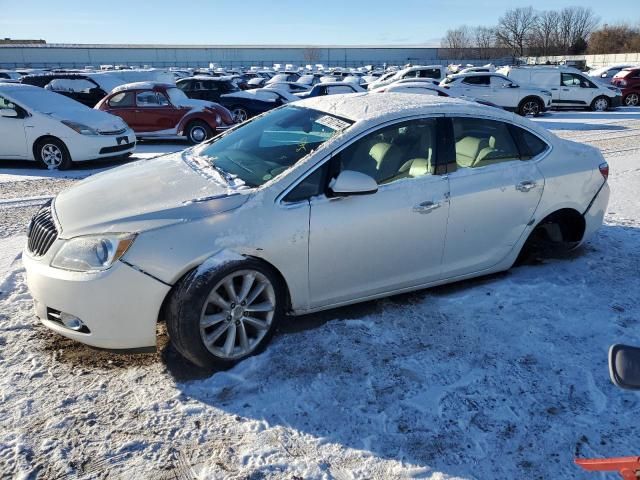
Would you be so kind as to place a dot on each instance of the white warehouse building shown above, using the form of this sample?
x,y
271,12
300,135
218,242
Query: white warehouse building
x,y
81,55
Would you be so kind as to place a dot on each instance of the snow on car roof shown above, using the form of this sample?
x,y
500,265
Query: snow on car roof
x,y
10,87
141,86
368,106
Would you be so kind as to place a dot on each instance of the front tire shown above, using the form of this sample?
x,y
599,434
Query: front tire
x,y
220,316
52,154
198,132
632,100
240,114
600,104
530,107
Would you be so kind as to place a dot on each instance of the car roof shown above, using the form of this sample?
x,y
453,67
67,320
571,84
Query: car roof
x,y
224,78
142,86
12,87
477,74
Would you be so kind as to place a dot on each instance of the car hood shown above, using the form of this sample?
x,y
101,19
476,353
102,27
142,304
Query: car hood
x,y
146,195
96,119
195,103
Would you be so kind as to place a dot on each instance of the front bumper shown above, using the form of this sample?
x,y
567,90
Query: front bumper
x,y
93,147
119,306
616,101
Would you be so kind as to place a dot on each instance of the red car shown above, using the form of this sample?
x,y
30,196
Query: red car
x,y
628,80
162,110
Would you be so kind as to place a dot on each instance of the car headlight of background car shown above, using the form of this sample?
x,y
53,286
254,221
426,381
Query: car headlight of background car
x,y
80,128
92,253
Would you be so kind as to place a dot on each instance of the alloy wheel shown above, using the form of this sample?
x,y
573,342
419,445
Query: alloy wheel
x,y
601,105
240,114
632,100
237,314
51,155
531,108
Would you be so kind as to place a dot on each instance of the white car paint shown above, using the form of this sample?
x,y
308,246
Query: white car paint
x,y
435,72
411,234
495,88
570,88
45,112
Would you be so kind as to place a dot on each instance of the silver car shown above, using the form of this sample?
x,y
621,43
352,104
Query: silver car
x,y
322,203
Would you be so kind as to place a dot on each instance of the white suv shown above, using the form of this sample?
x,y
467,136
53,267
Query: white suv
x,y
499,90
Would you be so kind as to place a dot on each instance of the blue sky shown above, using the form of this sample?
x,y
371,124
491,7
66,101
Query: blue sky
x,y
267,22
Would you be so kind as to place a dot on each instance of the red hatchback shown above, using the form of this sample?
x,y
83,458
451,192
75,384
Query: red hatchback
x,y
161,110
628,80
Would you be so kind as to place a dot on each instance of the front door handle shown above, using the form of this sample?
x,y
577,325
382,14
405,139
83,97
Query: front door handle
x,y
426,207
526,186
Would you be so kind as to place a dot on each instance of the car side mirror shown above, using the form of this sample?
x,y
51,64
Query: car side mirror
x,y
624,366
350,182
8,113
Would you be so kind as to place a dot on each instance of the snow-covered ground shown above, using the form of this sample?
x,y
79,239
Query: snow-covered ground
x,y
500,377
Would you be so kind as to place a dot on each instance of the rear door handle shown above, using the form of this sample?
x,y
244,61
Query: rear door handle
x,y
526,186
426,207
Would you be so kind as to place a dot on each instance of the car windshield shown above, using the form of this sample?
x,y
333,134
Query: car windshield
x,y
267,146
177,96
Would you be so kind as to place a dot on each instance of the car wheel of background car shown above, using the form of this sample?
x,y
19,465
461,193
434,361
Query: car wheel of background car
x,y
600,104
240,114
530,106
632,100
219,316
51,153
198,132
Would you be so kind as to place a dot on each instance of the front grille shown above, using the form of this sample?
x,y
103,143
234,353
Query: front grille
x,y
117,148
112,132
42,232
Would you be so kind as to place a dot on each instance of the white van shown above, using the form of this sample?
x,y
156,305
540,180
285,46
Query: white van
x,y
570,88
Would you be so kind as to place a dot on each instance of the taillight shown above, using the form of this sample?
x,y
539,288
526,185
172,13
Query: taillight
x,y
604,170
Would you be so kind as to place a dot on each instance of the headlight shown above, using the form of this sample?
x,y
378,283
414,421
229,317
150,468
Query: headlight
x,y
219,120
80,128
92,253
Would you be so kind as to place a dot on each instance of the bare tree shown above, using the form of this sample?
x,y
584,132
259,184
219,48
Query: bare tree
x,y
458,41
620,38
311,55
515,27
543,39
485,41
575,24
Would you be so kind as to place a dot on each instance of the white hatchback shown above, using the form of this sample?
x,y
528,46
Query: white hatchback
x,y
55,131
317,204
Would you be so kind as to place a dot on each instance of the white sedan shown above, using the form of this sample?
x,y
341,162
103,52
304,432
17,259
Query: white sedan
x,y
317,204
55,131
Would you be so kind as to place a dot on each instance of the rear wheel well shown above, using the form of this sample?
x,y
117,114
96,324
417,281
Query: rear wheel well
x,y
560,230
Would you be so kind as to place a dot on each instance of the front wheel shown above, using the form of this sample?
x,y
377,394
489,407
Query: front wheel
x,y
240,114
198,132
225,314
600,104
632,100
52,154
530,107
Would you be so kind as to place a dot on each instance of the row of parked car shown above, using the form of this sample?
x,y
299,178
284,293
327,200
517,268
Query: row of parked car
x,y
40,123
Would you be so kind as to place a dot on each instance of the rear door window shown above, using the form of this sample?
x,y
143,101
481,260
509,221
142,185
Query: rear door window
x,y
480,142
480,80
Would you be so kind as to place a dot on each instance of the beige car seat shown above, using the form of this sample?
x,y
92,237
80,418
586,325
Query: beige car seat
x,y
468,149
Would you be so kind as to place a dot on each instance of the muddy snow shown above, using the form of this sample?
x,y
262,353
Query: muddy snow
x,y
499,377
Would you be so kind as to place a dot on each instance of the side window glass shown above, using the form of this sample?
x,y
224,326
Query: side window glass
x,y
122,100
147,99
479,80
570,80
480,142
311,186
530,145
163,101
404,150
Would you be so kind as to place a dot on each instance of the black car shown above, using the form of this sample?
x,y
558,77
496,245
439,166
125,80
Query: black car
x,y
245,104
207,88
87,89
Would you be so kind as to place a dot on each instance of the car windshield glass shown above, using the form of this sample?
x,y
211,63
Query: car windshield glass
x,y
177,96
265,147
